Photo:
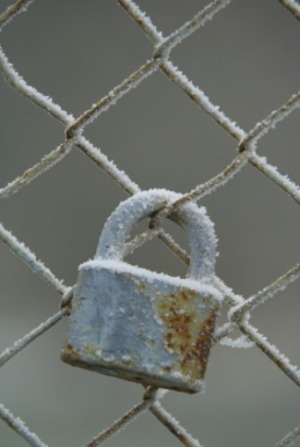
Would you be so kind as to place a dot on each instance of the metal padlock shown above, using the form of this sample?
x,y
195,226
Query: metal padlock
x,y
140,325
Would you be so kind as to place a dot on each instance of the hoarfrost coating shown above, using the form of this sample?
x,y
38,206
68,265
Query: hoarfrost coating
x,y
19,426
205,289
193,219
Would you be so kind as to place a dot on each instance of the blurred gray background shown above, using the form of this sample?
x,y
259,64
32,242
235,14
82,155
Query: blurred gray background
x,y
247,61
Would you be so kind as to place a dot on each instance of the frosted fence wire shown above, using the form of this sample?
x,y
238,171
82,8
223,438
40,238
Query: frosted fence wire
x,y
247,145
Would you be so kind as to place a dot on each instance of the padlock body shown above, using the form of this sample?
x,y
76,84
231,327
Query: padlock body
x,y
141,326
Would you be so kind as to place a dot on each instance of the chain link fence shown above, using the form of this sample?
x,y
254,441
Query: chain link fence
x,y
165,131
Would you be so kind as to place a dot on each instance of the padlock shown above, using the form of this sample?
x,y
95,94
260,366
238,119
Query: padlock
x,y
139,325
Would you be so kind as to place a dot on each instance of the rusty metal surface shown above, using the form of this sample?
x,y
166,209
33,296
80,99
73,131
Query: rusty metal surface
x,y
140,329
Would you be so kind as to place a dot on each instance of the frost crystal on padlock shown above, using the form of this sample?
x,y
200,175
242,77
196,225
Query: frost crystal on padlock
x,y
140,325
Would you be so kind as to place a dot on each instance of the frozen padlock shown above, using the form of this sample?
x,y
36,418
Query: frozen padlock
x,y
140,325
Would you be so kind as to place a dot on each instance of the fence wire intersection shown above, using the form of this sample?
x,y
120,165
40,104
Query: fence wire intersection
x,y
240,308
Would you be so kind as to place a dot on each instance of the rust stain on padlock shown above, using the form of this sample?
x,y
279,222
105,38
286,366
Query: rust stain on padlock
x,y
142,286
185,335
69,355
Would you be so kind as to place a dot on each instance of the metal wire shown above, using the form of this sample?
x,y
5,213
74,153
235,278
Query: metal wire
x,y
240,308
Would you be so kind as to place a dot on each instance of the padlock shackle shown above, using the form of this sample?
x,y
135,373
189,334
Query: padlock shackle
x,y
194,220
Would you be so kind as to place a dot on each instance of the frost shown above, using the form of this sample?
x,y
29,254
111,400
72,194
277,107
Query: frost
x,y
290,438
143,20
45,102
126,358
13,10
110,167
17,82
175,427
27,256
206,290
200,98
226,291
273,352
161,393
109,358
20,427
21,343
282,180
241,342
199,228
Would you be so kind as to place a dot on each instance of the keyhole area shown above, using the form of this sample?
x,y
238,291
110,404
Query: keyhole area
x,y
155,255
